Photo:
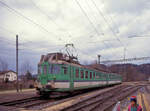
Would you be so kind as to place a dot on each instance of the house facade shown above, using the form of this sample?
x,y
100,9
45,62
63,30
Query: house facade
x,y
8,76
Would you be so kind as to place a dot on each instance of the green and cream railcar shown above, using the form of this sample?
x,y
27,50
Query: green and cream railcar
x,y
60,76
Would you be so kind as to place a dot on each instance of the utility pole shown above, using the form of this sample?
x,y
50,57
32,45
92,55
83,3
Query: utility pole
x,y
17,62
126,76
99,58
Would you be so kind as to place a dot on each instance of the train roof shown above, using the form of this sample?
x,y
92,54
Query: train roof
x,y
60,58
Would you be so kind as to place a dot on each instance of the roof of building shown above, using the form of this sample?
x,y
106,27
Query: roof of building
x,y
6,71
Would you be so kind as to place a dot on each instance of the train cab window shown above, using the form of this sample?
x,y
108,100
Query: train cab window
x,y
90,75
94,75
86,74
39,70
45,69
65,70
82,74
77,73
56,69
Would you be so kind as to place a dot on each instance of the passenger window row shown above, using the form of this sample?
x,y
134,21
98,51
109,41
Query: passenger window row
x,y
85,74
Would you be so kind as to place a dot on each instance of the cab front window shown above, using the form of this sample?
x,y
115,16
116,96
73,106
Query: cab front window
x,y
39,69
54,69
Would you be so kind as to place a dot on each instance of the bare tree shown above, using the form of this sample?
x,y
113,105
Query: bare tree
x,y
3,65
26,67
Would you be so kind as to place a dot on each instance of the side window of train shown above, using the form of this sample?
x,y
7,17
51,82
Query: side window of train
x,y
90,75
50,69
77,73
65,69
103,75
86,74
94,75
82,73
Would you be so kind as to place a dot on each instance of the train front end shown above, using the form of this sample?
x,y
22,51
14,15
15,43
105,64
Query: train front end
x,y
52,76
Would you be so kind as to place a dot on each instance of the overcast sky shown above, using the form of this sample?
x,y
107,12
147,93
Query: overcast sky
x,y
93,26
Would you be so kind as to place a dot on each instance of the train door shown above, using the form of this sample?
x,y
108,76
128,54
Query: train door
x,y
44,75
71,78
107,79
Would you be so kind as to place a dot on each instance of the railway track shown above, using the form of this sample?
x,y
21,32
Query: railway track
x,y
20,101
36,103
25,103
101,101
104,101
33,103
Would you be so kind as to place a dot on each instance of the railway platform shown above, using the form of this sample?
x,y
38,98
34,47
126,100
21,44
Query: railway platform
x,y
14,91
6,96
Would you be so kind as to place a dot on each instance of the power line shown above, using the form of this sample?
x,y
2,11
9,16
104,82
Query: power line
x,y
128,59
87,17
28,19
101,29
11,42
43,12
100,12
109,47
6,40
35,49
112,20
139,36
7,53
50,46
3,39
94,17
84,53
90,20
2,28
13,33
